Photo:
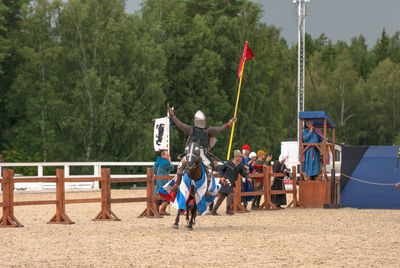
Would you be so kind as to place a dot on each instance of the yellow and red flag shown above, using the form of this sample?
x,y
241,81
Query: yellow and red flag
x,y
247,54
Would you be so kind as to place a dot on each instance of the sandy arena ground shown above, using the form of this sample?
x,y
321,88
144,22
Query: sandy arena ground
x,y
290,237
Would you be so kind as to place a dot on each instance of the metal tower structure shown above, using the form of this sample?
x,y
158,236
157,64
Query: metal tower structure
x,y
301,35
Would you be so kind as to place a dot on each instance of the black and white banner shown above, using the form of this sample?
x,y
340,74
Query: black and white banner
x,y
161,134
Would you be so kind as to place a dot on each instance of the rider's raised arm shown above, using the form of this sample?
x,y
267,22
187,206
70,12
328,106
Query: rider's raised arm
x,y
186,129
213,131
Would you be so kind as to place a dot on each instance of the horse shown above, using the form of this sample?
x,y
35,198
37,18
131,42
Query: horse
x,y
195,172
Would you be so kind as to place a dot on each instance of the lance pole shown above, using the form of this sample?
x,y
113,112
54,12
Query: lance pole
x,y
236,107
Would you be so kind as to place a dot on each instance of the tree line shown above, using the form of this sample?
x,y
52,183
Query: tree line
x,y
81,80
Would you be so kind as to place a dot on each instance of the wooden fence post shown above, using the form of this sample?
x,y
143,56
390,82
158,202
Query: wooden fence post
x,y
294,202
8,219
60,216
237,190
106,213
267,205
264,181
235,199
150,212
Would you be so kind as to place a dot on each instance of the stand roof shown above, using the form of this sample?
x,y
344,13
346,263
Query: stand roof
x,y
317,117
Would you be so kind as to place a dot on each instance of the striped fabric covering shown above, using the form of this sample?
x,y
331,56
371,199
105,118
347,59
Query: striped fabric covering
x,y
200,189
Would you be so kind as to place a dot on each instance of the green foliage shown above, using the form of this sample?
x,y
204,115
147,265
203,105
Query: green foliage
x,y
12,156
82,80
363,60
398,140
384,88
4,42
381,48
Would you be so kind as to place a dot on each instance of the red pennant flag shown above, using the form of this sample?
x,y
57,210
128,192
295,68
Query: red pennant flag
x,y
247,54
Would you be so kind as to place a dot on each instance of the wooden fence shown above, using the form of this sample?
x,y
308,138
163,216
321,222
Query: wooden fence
x,y
8,218
267,175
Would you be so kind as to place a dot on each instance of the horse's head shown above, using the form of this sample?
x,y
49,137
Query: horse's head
x,y
192,155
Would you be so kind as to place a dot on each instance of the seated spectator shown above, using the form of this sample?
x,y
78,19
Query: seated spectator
x,y
229,173
162,167
247,186
279,167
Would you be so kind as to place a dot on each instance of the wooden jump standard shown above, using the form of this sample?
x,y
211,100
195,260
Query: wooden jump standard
x,y
9,220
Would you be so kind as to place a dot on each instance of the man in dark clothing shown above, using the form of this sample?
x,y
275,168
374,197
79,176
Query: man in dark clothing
x,y
215,169
229,173
279,167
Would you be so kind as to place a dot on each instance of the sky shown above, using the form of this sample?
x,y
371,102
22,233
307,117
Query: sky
x,y
338,19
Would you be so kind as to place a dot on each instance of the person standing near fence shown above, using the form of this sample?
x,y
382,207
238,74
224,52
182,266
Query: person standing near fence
x,y
252,169
279,167
162,167
215,168
312,163
258,182
247,186
229,172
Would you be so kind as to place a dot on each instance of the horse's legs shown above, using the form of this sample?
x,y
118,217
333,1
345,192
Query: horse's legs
x,y
188,203
176,224
187,210
193,211
192,208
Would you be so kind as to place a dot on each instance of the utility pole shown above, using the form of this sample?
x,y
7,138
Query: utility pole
x,y
301,36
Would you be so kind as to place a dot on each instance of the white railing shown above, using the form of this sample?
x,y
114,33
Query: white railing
x,y
97,166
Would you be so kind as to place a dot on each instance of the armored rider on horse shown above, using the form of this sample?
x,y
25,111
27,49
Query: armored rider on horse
x,y
203,135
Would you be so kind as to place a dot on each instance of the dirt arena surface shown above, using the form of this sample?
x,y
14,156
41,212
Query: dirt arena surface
x,y
290,237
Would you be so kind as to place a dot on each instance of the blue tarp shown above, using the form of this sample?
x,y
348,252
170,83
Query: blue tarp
x,y
376,167
313,115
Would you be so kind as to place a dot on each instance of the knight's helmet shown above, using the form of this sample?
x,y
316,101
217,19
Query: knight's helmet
x,y
200,119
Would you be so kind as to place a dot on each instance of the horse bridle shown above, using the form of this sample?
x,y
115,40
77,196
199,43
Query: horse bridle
x,y
192,154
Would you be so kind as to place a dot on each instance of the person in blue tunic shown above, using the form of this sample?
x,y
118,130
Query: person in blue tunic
x,y
247,185
162,167
311,164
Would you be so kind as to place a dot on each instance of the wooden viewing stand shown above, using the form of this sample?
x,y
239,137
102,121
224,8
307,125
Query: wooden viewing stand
x,y
8,218
321,120
315,193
